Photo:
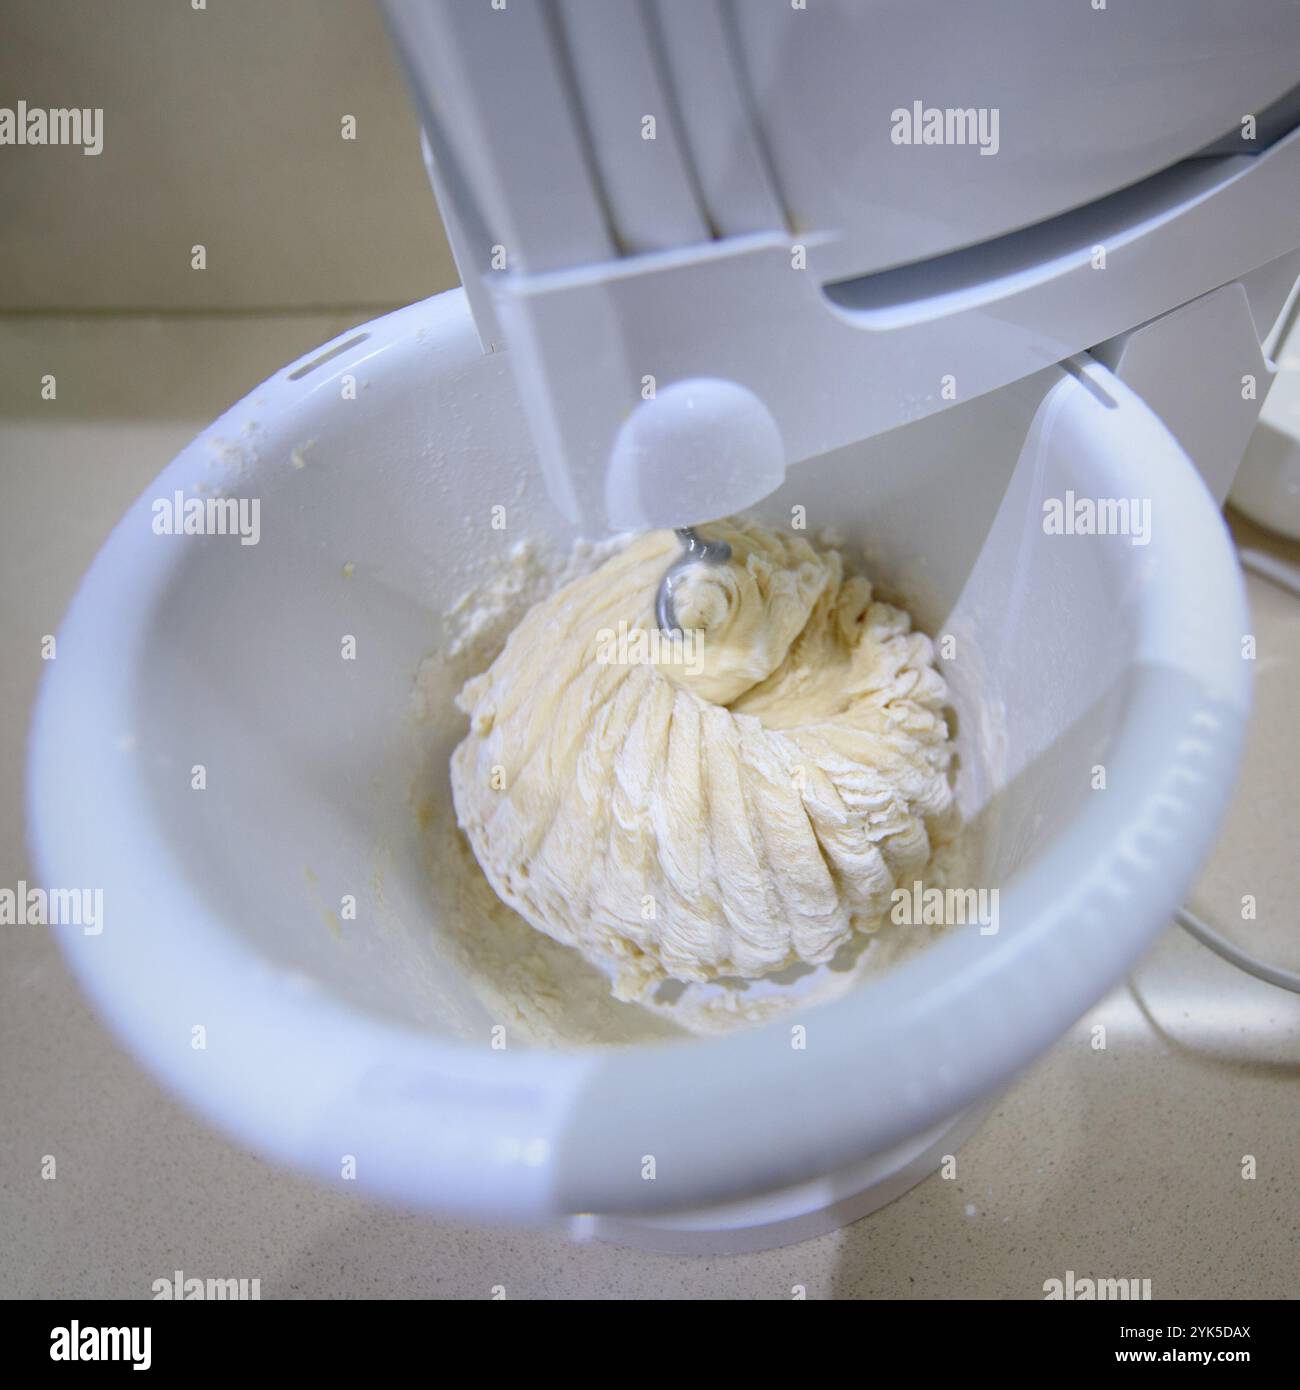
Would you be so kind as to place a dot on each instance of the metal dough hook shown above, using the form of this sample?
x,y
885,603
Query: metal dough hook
x,y
695,550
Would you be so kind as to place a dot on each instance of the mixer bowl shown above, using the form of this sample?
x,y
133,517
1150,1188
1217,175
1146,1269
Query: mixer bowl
x,y
355,1047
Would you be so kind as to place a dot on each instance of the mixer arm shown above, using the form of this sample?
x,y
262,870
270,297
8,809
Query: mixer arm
x,y
711,256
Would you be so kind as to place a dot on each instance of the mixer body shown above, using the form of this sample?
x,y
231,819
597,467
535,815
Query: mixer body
x,y
758,298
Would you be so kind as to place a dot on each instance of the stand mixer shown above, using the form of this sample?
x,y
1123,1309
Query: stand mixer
x,y
789,297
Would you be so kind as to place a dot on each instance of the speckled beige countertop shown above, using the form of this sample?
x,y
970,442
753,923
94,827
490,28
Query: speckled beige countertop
x,y
1118,1163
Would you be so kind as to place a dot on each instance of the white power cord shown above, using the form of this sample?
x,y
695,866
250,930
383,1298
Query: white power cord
x,y
1287,577
1270,567
1243,960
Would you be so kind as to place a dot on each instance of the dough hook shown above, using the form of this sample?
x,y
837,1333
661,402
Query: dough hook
x,y
696,550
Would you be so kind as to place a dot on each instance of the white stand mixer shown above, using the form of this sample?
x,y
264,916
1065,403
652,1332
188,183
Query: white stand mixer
x,y
789,296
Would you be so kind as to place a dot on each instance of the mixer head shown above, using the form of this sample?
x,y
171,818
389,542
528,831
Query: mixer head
x,y
719,238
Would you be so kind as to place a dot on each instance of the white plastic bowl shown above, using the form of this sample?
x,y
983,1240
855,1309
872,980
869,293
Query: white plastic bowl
x,y
1072,653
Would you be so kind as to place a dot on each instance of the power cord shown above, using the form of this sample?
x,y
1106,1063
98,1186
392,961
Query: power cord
x,y
1243,960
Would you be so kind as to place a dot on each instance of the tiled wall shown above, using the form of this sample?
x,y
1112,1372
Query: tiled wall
x,y
222,127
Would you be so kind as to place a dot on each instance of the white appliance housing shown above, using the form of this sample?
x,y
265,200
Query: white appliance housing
x,y
739,207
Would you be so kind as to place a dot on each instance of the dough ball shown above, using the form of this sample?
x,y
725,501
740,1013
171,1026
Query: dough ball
x,y
729,802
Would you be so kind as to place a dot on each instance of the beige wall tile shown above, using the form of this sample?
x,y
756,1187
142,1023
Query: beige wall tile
x,y
222,127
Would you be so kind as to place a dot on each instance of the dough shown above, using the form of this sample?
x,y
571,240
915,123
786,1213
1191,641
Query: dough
x,y
730,802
